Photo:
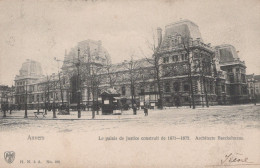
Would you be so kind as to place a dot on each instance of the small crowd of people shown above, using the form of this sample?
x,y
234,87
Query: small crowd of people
x,y
145,107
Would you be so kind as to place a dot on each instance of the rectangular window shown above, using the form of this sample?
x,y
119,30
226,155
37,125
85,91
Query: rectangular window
x,y
223,88
176,58
165,59
231,78
182,57
173,58
167,87
167,99
142,90
186,56
186,87
123,90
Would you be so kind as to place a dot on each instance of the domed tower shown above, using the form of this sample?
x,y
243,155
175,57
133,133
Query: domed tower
x,y
30,73
88,51
82,60
30,70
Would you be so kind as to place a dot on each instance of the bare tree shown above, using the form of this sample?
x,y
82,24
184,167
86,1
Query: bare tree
x,y
203,74
133,76
144,77
46,95
95,80
155,62
186,45
26,95
109,73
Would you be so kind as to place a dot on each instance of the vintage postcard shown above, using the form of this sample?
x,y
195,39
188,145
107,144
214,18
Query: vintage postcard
x,y
129,84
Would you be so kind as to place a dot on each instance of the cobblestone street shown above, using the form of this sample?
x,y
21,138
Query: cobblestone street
x,y
242,116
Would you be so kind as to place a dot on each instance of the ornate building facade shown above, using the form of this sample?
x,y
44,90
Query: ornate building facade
x,y
182,69
187,65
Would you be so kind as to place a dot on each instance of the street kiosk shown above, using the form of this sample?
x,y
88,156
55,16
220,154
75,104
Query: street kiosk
x,y
109,101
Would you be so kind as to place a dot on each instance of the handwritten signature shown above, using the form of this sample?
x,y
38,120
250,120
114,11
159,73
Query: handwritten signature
x,y
235,158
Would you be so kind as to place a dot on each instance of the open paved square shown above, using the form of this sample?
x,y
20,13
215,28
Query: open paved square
x,y
237,116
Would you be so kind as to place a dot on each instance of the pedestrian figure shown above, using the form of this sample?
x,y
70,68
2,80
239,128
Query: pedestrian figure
x,y
4,108
11,108
134,109
145,110
97,108
177,102
119,106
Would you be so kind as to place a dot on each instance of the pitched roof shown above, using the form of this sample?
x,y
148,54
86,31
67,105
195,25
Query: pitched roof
x,y
257,77
111,91
227,53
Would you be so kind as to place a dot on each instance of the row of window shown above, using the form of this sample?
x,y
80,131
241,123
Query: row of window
x,y
20,83
186,87
36,98
176,87
237,70
175,58
232,79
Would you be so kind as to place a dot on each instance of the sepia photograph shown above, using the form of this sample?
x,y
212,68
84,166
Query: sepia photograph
x,y
129,84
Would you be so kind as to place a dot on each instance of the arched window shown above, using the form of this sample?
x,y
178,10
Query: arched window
x,y
151,88
142,89
167,87
176,86
123,90
186,87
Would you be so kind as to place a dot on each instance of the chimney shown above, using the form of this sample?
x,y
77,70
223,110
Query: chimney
x,y
159,35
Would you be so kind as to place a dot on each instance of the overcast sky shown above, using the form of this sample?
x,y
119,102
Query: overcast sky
x,y
42,30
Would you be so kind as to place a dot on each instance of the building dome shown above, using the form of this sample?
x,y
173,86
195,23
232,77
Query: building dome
x,y
30,68
90,50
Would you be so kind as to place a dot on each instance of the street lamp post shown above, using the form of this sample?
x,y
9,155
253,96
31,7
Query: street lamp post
x,y
25,105
11,104
254,91
7,102
4,106
54,106
68,100
78,85
38,104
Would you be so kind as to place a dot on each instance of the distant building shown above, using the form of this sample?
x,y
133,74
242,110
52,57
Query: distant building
x,y
236,84
25,88
257,85
251,87
3,95
6,95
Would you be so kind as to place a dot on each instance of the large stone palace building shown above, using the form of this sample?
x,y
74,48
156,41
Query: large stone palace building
x,y
183,68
